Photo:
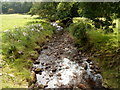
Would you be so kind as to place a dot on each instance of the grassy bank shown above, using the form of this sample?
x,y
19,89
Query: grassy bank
x,y
102,48
20,48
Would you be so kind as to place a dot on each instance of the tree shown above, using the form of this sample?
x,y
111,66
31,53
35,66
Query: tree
x,y
101,13
63,11
17,7
45,9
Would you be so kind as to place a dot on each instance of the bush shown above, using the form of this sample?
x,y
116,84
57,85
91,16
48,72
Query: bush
x,y
79,31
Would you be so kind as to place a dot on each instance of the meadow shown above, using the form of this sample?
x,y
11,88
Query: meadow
x,y
9,21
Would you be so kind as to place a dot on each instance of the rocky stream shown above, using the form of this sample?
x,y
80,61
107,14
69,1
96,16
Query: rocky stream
x,y
61,65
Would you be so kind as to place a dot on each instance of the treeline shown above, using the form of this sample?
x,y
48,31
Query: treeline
x,y
66,11
16,7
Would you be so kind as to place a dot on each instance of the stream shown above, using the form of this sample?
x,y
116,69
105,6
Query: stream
x,y
61,65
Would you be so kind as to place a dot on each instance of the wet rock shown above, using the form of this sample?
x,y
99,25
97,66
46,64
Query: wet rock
x,y
59,84
38,70
58,56
47,67
42,64
45,86
51,74
92,66
85,66
45,47
88,60
54,70
67,67
59,74
37,62
81,86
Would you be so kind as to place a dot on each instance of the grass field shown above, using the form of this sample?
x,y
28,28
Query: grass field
x,y
9,21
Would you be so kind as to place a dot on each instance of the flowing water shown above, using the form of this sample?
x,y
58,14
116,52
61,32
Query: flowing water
x,y
61,65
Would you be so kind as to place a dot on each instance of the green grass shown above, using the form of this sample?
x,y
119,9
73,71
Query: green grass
x,y
10,21
19,47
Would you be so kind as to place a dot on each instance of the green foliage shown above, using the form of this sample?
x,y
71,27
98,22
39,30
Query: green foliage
x,y
98,39
78,30
55,10
44,9
101,13
16,7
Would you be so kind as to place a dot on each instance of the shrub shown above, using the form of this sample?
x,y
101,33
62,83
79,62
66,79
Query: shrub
x,y
78,30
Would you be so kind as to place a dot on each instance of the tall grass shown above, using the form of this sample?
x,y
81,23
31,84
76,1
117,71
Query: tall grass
x,y
21,46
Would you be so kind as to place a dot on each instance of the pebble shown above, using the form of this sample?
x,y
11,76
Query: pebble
x,y
67,67
50,74
59,74
54,70
82,86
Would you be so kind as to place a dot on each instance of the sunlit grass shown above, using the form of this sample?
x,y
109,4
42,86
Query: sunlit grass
x,y
10,21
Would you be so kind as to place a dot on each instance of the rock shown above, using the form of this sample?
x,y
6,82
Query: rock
x,y
58,56
54,70
41,86
36,62
88,60
47,67
51,74
42,64
81,86
59,84
47,78
45,47
38,70
92,66
67,67
45,86
59,74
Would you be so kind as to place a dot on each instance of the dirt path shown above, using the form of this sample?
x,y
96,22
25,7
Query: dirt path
x,y
61,65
